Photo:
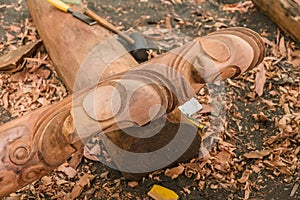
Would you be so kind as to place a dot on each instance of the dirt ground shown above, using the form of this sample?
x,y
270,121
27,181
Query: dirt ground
x,y
252,121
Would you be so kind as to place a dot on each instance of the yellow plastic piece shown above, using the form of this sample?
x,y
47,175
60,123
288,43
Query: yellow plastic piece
x,y
59,5
77,2
158,192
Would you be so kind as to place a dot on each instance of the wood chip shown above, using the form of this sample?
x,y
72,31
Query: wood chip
x,y
9,62
260,80
69,171
133,184
174,172
295,188
257,154
80,184
244,177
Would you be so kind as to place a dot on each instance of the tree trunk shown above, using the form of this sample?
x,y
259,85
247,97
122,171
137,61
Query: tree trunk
x,y
285,13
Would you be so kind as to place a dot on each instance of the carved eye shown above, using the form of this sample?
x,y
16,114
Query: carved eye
x,y
216,49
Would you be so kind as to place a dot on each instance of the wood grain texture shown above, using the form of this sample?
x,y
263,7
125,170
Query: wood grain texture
x,y
285,13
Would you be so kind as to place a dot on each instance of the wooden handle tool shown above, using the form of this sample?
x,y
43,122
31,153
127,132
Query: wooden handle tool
x,y
65,8
103,22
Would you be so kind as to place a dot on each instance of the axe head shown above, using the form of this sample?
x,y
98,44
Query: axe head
x,y
139,50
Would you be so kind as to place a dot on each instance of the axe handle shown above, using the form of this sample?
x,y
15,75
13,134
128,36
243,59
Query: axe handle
x,y
103,22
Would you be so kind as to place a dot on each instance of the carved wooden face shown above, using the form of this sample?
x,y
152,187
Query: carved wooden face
x,y
227,54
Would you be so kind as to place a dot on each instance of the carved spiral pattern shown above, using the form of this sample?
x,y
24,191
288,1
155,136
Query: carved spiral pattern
x,y
20,155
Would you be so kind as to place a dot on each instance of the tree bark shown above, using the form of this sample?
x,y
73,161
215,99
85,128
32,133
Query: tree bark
x,y
285,13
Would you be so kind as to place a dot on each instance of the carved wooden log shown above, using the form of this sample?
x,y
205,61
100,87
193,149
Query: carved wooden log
x,y
285,13
30,150
72,54
71,45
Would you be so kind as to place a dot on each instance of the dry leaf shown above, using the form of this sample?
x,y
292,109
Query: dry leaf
x,y
295,188
213,186
10,37
43,101
231,83
61,182
46,180
201,185
241,7
187,190
206,108
279,164
43,73
260,117
295,58
256,168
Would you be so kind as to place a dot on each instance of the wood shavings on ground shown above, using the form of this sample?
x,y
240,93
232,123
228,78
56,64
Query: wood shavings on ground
x,y
257,154
242,6
36,85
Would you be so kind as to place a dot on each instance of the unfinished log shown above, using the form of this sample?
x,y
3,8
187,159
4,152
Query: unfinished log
x,y
285,13
69,41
